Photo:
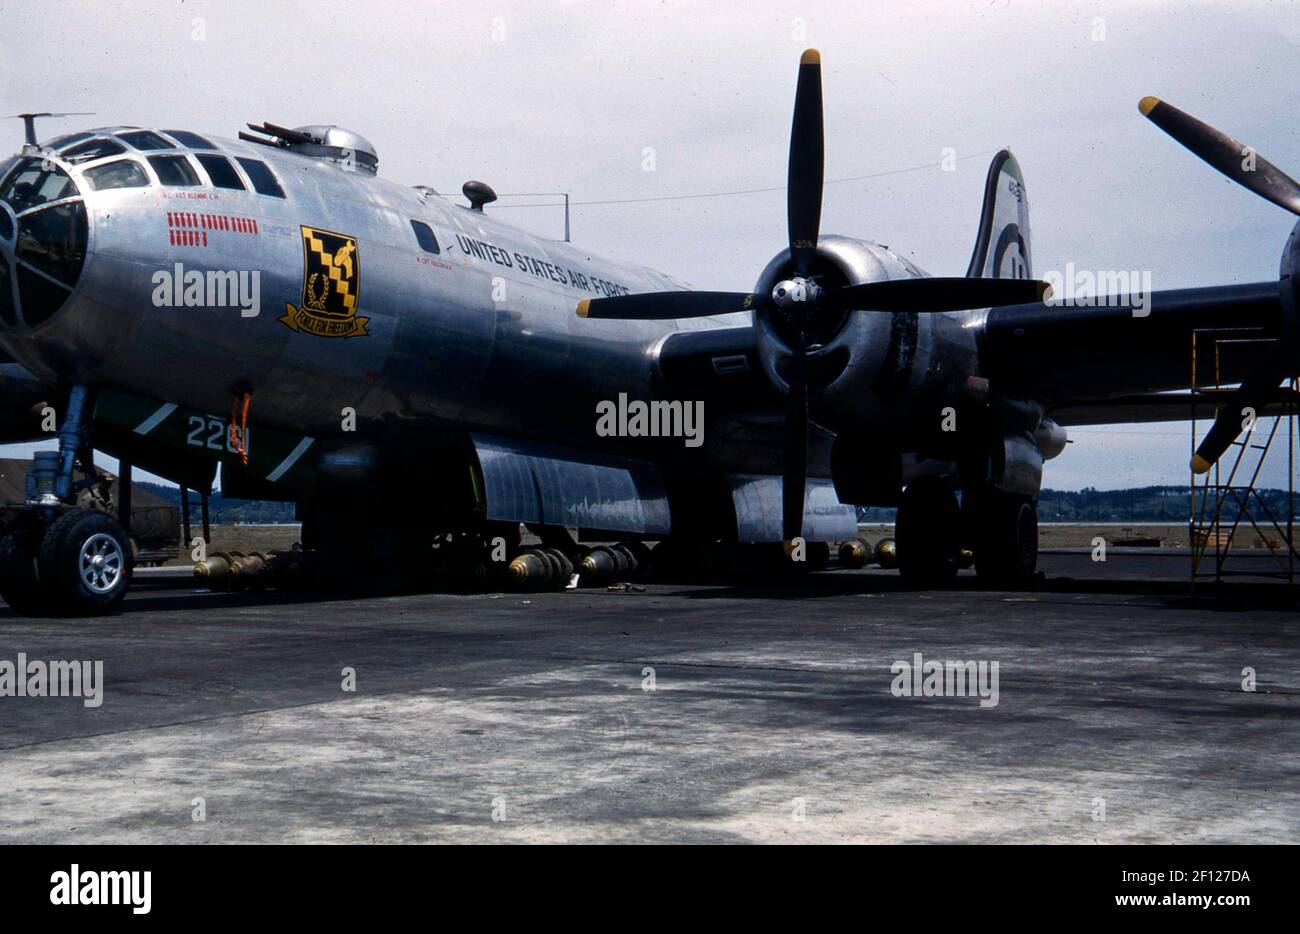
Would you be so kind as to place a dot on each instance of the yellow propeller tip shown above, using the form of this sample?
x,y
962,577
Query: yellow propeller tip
x,y
584,307
1148,104
1200,464
810,57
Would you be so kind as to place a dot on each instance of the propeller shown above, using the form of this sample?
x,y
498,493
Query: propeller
x,y
801,299
806,165
1255,392
1254,173
1231,157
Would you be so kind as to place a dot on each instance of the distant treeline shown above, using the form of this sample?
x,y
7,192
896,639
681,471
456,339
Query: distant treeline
x,y
223,511
1164,504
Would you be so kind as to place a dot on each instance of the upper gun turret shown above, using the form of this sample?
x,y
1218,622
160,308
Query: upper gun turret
x,y
330,143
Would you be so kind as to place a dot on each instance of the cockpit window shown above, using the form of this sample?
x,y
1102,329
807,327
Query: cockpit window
x,y
66,139
44,245
145,139
192,140
40,297
124,173
93,149
262,177
174,171
53,240
29,185
221,172
428,242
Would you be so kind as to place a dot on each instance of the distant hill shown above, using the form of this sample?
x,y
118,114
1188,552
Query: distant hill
x,y
1139,504
1162,504
223,511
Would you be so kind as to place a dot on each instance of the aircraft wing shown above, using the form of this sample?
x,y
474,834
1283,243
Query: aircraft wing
x,y
1126,362
1158,407
1090,365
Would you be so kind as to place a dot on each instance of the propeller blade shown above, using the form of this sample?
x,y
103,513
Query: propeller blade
x,y
1253,394
803,205
662,306
941,293
1235,160
794,457
806,165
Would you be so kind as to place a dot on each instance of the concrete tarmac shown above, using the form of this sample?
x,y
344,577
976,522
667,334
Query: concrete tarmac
x,y
683,713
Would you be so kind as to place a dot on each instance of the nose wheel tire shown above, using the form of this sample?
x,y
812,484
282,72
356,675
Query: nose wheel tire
x,y
927,534
85,564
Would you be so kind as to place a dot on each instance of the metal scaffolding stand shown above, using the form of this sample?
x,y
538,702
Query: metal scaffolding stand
x,y
1226,503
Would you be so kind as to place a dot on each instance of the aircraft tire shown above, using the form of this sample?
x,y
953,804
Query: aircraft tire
x,y
20,586
1006,547
926,534
85,563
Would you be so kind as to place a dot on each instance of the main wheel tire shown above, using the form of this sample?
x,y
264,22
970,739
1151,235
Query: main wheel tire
x,y
927,534
20,585
1006,529
85,563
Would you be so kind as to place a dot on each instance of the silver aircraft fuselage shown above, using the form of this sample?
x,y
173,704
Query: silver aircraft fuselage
x,y
481,335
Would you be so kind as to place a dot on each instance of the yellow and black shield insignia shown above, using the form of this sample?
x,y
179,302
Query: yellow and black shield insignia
x,y
331,282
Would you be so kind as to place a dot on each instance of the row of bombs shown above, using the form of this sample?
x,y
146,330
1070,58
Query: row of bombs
x,y
543,568
546,568
536,569
551,569
257,569
859,553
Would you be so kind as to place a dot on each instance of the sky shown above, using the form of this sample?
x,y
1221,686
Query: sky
x,y
643,100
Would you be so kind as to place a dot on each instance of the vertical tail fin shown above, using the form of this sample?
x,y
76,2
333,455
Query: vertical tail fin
x,y
1002,249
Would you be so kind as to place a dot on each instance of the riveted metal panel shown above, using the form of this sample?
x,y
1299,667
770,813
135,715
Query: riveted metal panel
x,y
758,510
546,485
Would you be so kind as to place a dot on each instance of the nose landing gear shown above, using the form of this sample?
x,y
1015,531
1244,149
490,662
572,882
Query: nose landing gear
x,y
57,558
78,565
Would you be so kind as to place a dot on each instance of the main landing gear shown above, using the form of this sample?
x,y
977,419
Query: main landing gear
x,y
927,533
932,529
1004,536
58,558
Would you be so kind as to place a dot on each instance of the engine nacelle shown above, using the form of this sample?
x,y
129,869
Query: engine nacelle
x,y
1050,438
867,369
